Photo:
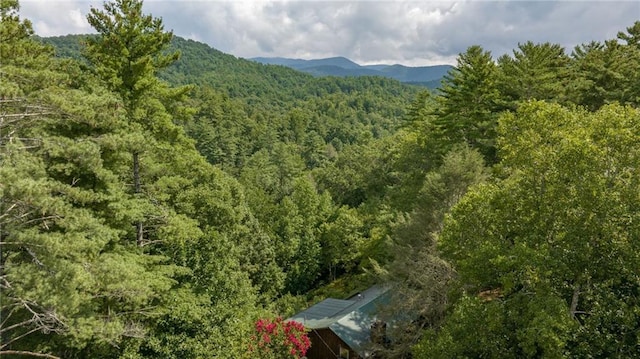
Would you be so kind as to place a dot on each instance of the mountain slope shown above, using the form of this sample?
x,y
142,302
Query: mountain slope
x,y
249,106
428,76
333,70
302,64
275,88
416,74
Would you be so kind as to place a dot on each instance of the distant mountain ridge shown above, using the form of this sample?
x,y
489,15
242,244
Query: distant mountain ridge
x,y
429,76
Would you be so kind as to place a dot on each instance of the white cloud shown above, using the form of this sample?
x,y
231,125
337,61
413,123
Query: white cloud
x,y
407,32
78,19
57,17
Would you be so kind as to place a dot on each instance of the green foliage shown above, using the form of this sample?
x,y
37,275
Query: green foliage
x,y
359,173
557,229
292,211
342,241
521,326
468,104
262,105
74,284
535,72
268,126
58,251
138,220
421,279
128,51
604,73
632,37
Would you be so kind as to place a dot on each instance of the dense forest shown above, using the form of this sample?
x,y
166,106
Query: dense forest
x,y
159,197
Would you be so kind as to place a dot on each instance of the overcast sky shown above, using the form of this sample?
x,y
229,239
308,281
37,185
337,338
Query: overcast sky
x,y
406,32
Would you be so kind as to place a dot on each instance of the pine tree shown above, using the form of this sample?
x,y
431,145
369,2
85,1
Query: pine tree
x,y
420,277
67,285
126,55
187,211
596,74
536,71
603,73
631,64
632,36
468,106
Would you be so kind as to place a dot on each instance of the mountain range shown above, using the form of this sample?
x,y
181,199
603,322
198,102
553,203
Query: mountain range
x,y
429,76
201,59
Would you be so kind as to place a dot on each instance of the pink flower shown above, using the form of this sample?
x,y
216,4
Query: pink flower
x,y
275,336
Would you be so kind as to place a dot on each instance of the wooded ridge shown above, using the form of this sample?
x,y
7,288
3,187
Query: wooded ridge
x,y
428,76
161,199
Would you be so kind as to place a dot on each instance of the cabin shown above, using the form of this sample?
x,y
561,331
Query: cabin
x,y
344,328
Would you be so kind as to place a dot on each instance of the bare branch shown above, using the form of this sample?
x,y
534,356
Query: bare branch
x,y
21,244
22,115
43,219
6,212
35,258
146,243
9,315
5,329
19,337
27,353
11,100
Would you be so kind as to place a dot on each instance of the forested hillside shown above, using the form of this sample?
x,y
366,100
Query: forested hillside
x,y
262,104
158,197
428,76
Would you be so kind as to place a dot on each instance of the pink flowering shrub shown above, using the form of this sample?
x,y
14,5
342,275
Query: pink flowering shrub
x,y
277,339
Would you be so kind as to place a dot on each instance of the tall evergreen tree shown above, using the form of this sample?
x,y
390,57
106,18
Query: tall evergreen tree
x,y
126,55
632,36
595,75
536,71
183,202
603,73
420,277
73,286
67,284
631,70
468,106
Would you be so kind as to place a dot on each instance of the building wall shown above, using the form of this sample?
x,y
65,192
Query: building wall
x,y
326,345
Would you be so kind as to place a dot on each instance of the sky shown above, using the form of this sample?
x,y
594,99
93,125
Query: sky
x,y
412,33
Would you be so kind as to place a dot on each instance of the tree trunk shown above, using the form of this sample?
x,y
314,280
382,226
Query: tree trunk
x,y
574,301
137,189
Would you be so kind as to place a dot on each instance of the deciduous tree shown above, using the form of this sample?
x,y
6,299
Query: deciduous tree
x,y
551,248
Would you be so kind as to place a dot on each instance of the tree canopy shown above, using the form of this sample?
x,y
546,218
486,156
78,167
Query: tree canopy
x,y
158,197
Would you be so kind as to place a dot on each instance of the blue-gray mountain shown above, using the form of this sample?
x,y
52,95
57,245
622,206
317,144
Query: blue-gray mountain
x,y
429,76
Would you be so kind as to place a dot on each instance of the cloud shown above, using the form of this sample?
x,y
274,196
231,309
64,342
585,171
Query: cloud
x,y
53,18
408,32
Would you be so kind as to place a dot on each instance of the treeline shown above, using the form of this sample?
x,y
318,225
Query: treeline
x,y
244,106
522,239
279,132
143,219
159,196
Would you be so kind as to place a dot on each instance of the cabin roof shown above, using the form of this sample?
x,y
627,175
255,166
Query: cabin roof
x,y
350,319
